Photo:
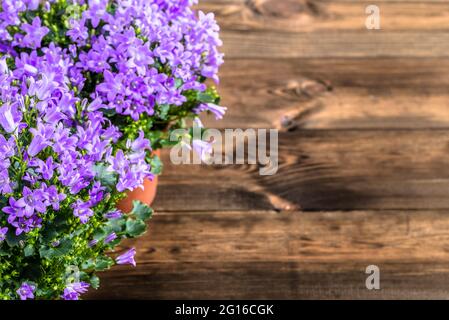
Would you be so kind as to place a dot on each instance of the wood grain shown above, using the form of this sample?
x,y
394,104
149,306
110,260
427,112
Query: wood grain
x,y
251,255
363,178
335,93
344,44
322,170
312,16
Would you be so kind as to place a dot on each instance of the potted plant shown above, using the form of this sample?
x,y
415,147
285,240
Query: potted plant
x,y
89,91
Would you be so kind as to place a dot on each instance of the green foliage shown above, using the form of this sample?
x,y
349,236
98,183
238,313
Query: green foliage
x,y
44,255
141,211
135,228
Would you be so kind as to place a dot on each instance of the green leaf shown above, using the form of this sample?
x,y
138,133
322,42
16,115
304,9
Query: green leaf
x,y
156,165
12,240
99,234
88,264
135,228
107,178
4,253
208,96
62,249
29,250
163,110
115,225
141,211
109,112
103,263
53,230
178,83
95,282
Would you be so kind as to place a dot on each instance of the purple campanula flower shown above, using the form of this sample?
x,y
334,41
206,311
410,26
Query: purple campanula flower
x,y
216,110
26,64
5,182
111,237
32,200
46,169
31,4
96,12
13,210
92,243
53,198
78,31
202,148
140,143
37,145
119,162
96,194
126,181
129,60
3,232
63,140
26,291
116,214
10,117
73,290
82,210
127,257
112,86
197,123
42,136
24,224
34,34
7,147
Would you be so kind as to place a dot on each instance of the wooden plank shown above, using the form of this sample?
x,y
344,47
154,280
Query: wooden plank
x,y
322,170
344,44
312,15
335,93
250,255
313,29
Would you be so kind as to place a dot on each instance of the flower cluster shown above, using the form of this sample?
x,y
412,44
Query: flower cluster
x,y
88,89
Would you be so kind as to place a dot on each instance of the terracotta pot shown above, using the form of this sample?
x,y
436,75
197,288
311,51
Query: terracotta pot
x,y
146,195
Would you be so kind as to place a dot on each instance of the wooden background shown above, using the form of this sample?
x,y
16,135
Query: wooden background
x,y
364,162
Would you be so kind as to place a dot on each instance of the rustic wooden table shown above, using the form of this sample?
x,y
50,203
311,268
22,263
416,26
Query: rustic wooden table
x,y
364,165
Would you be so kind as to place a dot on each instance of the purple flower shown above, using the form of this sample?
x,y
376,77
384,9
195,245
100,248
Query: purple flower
x,y
23,224
116,214
140,143
73,290
46,169
78,32
13,210
92,243
3,232
127,258
202,148
32,200
5,182
216,110
26,291
53,198
96,12
10,117
7,147
96,194
110,238
42,136
34,34
82,211
112,85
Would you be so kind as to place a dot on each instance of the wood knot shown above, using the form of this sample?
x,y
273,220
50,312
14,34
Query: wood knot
x,y
282,8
